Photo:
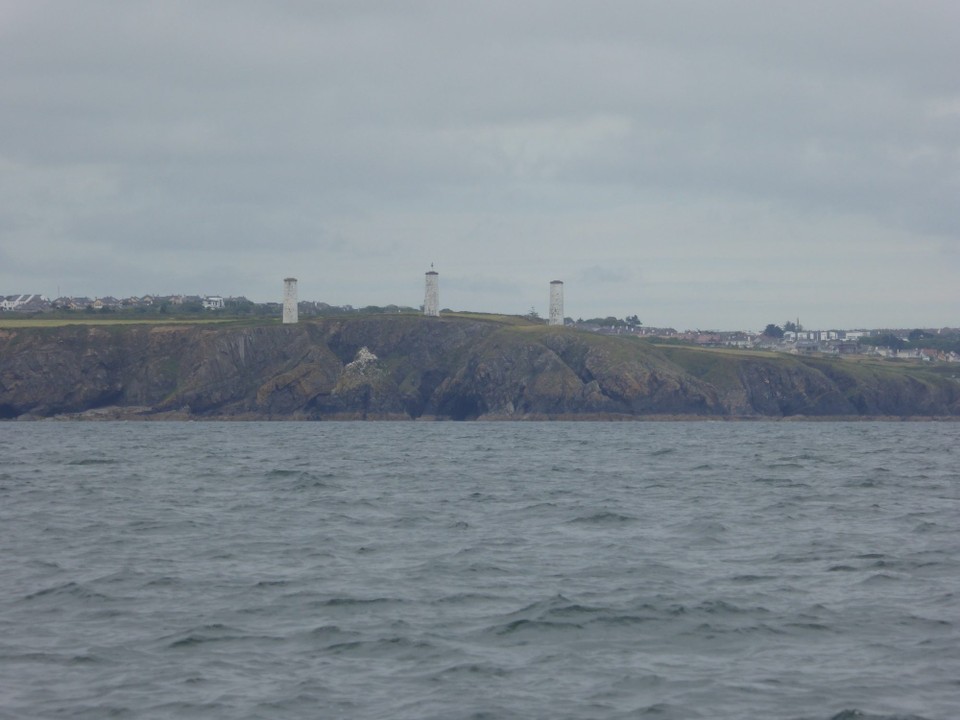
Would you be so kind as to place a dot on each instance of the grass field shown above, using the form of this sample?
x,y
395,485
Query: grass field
x,y
492,317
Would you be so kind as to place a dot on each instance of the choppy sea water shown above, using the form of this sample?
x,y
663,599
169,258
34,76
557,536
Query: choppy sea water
x,y
479,570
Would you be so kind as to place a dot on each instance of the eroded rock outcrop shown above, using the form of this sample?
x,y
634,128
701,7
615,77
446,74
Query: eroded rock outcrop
x,y
410,367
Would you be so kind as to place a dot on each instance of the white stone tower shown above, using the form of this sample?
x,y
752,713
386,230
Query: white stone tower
x,y
556,303
431,300
289,300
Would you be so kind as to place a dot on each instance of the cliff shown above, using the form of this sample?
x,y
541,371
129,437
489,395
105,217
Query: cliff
x,y
408,367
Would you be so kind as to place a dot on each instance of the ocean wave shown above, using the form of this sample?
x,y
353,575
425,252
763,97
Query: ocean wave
x,y
72,589
359,602
535,626
861,715
94,461
216,633
605,517
394,646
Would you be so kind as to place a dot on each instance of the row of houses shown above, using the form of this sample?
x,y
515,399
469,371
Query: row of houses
x,y
830,342
848,342
923,354
23,303
40,303
803,342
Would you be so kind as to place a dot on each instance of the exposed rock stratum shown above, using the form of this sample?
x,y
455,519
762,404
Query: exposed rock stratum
x,y
407,367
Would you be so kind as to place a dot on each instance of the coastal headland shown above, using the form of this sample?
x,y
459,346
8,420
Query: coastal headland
x,y
456,367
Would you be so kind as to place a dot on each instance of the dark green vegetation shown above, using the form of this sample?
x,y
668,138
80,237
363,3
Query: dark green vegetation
x,y
407,366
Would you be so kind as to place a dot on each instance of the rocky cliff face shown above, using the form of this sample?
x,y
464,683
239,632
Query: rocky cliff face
x,y
409,367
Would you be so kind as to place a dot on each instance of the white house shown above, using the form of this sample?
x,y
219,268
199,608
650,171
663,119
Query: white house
x,y
22,302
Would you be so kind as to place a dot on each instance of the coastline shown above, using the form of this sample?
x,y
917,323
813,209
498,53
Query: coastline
x,y
148,414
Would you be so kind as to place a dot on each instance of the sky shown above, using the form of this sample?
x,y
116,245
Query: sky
x,y
699,164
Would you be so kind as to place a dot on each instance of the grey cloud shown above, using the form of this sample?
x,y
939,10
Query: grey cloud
x,y
353,137
597,275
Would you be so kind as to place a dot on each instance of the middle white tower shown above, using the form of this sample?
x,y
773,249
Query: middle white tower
x,y
556,303
431,299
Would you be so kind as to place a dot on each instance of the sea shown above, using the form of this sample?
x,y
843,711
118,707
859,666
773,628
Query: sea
x,y
444,570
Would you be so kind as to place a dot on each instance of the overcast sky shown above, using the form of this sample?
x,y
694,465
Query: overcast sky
x,y
699,164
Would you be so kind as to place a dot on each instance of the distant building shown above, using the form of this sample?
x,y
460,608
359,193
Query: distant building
x,y
24,303
431,299
555,316
213,302
290,315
